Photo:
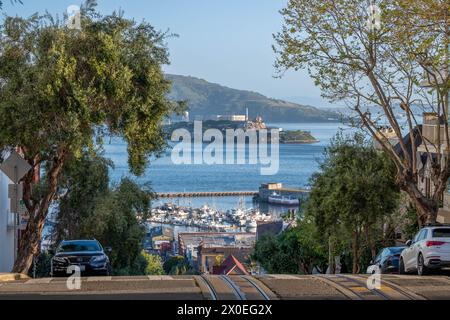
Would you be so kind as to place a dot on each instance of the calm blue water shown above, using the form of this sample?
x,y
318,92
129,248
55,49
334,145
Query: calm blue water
x,y
297,163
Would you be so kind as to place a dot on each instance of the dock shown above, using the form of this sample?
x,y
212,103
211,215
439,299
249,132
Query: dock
x,y
162,195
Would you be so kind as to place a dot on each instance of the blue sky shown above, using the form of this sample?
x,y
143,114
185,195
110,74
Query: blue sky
x,y
222,41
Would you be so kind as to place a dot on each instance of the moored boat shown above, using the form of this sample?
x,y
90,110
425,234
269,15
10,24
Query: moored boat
x,y
283,200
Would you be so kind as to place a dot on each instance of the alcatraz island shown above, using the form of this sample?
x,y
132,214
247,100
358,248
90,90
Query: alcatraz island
x,y
234,123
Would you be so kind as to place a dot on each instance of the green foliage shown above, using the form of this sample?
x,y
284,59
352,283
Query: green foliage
x,y
113,222
378,73
67,85
12,1
92,209
41,266
296,136
154,264
352,196
410,223
84,180
178,265
64,90
294,251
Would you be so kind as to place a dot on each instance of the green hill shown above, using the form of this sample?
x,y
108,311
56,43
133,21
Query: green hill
x,y
206,99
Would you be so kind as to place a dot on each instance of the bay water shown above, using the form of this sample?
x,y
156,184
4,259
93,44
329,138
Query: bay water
x,y
297,162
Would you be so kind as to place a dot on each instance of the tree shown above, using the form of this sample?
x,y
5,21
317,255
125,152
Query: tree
x,y
352,196
63,90
378,68
12,1
154,264
88,207
177,265
293,251
83,182
114,223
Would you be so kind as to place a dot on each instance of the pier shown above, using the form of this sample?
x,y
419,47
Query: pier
x,y
205,194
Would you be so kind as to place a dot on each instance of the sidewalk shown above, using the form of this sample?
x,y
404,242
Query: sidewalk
x,y
12,277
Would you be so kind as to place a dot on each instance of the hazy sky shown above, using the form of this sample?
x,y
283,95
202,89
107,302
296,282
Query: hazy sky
x,y
223,41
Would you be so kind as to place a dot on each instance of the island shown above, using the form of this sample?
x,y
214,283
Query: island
x,y
297,136
287,137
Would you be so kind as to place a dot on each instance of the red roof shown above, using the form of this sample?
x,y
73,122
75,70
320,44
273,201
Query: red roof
x,y
230,264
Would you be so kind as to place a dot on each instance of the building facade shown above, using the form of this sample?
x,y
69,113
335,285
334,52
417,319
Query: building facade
x,y
6,227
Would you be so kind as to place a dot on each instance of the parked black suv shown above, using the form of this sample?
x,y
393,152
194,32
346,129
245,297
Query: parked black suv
x,y
87,254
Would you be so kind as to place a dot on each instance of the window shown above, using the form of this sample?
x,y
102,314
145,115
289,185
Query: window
x,y
396,250
378,257
77,246
416,238
441,233
423,234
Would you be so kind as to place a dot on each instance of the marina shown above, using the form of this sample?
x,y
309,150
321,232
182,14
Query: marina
x,y
207,218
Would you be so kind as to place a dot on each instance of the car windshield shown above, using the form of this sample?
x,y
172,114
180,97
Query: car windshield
x,y
396,250
79,246
441,233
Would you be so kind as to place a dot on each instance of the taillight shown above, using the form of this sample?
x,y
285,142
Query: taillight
x,y
434,243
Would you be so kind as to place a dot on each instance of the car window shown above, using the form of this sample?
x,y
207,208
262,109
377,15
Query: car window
x,y
424,234
441,233
416,238
79,246
384,253
378,257
396,250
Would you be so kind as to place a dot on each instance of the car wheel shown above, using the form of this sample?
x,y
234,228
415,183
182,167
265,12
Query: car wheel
x,y
401,267
421,267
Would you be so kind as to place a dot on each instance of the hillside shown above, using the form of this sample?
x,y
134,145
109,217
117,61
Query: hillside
x,y
206,99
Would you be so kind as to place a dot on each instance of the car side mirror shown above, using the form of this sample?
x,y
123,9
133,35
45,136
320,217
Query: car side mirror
x,y
108,249
408,243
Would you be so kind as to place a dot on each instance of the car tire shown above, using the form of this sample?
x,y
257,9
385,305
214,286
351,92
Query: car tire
x,y
422,269
401,267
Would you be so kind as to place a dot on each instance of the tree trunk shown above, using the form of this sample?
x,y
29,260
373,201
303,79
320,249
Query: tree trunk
x,y
355,253
427,209
31,238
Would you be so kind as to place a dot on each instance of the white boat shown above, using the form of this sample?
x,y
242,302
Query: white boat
x,y
252,224
278,199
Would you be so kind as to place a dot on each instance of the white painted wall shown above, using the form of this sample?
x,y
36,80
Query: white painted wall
x,y
6,234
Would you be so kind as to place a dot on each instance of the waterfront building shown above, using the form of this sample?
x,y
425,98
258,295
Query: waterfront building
x,y
233,117
268,189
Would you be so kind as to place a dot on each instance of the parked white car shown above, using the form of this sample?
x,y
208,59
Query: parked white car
x,y
430,249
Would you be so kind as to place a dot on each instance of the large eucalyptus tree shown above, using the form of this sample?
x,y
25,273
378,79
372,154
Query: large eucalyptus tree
x,y
62,90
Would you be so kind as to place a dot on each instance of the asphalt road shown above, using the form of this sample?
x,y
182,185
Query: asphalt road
x,y
207,287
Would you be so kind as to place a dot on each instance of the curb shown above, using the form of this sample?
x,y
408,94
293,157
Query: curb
x,y
4,277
